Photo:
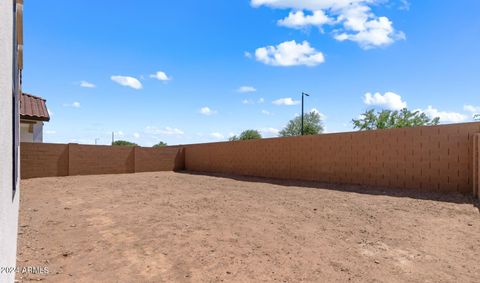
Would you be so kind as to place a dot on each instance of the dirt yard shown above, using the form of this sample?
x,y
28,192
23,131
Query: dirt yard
x,y
173,227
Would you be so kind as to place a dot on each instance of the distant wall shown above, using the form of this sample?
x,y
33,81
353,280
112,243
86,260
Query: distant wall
x,y
442,158
438,158
49,160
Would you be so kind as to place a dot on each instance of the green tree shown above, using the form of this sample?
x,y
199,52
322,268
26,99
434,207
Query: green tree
x,y
387,119
124,143
312,125
160,144
247,135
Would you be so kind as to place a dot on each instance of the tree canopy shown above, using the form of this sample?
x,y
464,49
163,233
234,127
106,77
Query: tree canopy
x,y
160,144
124,143
386,119
247,135
312,125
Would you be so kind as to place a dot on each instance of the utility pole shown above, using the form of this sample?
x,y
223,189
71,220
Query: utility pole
x,y
303,95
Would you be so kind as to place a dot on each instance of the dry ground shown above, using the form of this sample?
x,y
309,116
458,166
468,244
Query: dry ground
x,y
172,227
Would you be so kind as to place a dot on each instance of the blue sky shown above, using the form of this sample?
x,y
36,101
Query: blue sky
x,y
199,71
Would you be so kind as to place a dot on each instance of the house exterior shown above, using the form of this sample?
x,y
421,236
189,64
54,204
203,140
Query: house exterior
x,y
33,113
11,64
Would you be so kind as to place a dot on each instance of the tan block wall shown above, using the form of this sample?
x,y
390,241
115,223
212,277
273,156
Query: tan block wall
x,y
42,159
94,159
438,158
50,160
158,159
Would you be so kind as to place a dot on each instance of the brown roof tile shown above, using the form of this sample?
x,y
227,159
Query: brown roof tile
x,y
33,108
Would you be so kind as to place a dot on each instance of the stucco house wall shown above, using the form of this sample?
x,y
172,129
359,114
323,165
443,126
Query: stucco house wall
x,y
31,131
8,200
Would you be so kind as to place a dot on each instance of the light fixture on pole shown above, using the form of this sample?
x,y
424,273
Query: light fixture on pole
x,y
303,95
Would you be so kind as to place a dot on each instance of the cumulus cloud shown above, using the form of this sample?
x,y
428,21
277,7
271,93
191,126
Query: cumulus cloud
x,y
246,89
289,53
207,111
161,76
169,131
127,81
322,116
349,19
389,100
217,136
288,101
444,116
269,132
86,84
472,109
299,20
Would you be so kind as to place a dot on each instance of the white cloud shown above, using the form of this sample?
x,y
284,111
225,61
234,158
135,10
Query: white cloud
x,y
261,100
389,100
247,54
289,53
136,135
87,84
169,131
265,112
286,101
161,76
451,117
217,136
269,132
127,81
372,33
322,116
472,109
75,104
50,132
299,20
246,89
207,111
349,19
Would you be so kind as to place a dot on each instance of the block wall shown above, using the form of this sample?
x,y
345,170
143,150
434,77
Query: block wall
x,y
50,160
438,158
93,159
43,159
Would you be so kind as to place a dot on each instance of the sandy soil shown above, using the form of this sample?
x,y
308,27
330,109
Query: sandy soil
x,y
172,227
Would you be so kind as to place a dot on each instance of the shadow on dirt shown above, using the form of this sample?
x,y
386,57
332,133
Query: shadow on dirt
x,y
393,192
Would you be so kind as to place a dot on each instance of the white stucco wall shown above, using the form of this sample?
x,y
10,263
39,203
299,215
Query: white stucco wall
x,y
35,136
8,206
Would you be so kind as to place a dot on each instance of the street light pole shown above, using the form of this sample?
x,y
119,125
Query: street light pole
x,y
303,95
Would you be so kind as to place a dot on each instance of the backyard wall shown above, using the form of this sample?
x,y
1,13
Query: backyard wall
x,y
50,160
438,158
442,158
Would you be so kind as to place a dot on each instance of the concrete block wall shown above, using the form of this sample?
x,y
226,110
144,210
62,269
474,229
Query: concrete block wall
x,y
438,158
42,159
51,160
97,159
442,158
154,159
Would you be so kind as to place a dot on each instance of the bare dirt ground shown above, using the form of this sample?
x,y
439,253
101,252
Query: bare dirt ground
x,y
173,227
